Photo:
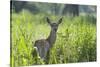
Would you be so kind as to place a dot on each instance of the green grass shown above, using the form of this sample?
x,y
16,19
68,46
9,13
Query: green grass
x,y
76,39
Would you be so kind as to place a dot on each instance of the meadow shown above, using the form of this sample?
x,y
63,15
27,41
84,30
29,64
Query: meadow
x,y
76,39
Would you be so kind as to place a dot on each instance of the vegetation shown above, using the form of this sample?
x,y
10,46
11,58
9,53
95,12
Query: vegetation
x,y
76,39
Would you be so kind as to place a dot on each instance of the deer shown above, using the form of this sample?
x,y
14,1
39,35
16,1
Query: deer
x,y
44,45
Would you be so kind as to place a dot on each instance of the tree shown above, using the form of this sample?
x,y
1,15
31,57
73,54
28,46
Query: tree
x,y
71,10
17,5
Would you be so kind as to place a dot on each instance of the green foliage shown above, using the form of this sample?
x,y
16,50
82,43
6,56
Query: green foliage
x,y
76,39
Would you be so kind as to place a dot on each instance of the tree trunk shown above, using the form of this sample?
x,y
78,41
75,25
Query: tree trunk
x,y
71,10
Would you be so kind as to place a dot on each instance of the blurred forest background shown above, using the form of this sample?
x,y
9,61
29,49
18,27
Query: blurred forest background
x,y
55,9
76,36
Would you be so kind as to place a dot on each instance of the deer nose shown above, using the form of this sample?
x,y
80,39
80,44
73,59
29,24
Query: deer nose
x,y
55,29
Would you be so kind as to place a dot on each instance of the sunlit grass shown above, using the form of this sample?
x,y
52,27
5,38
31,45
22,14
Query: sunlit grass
x,y
76,39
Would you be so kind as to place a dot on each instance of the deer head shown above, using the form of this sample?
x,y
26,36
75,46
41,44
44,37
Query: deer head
x,y
54,25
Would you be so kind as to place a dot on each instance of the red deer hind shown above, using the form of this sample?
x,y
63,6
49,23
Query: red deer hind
x,y
44,45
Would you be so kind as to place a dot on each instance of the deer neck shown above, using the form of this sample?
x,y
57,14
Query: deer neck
x,y
52,37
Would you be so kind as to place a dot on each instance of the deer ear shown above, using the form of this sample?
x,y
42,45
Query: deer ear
x,y
48,20
60,20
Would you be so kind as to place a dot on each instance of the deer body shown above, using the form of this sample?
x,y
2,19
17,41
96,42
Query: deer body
x,y
44,45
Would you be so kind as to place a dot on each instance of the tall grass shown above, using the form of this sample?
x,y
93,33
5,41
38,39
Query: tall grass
x,y
76,39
